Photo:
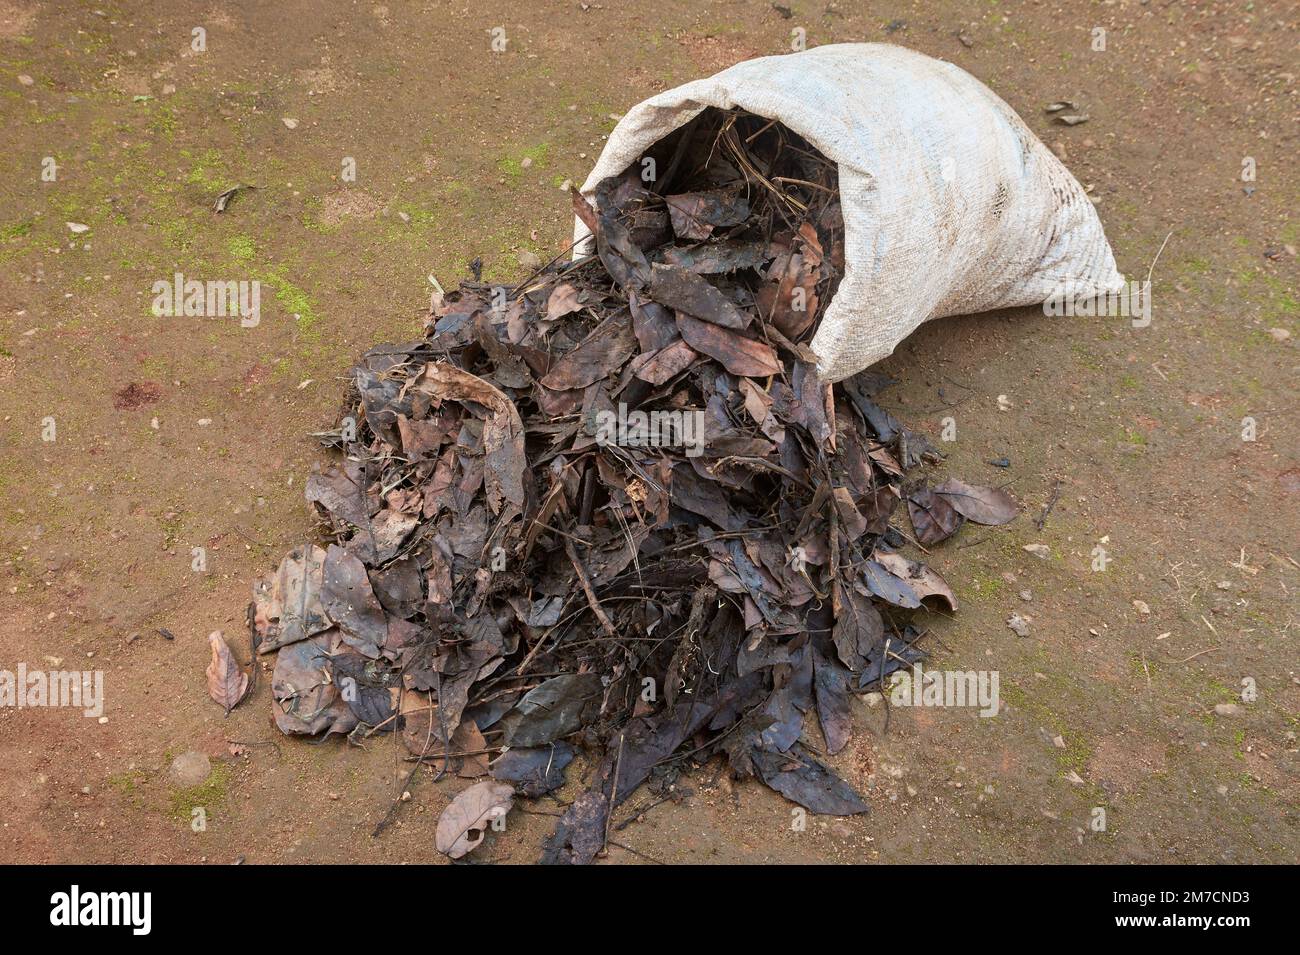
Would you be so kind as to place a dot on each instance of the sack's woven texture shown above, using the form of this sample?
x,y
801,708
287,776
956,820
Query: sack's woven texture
x,y
951,204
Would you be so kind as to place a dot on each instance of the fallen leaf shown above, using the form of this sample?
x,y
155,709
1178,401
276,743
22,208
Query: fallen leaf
x,y
923,580
983,505
684,291
503,435
738,354
609,345
563,301
933,517
463,824
227,682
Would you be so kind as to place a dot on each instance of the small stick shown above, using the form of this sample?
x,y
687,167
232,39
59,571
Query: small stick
x,y
637,853
585,581
836,600
1056,494
613,791
434,757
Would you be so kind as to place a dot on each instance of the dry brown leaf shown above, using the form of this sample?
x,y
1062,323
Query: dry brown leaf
x,y
921,578
738,354
667,363
463,824
227,682
503,434
983,505
563,300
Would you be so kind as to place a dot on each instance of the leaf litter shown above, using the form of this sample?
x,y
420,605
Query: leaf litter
x,y
614,512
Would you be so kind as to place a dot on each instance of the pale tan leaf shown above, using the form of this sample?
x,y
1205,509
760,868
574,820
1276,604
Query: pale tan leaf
x,y
227,681
464,823
563,300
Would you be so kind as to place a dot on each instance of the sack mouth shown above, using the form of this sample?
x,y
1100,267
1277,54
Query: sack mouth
x,y
923,239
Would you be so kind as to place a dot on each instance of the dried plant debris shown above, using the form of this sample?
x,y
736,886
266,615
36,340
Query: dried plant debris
x,y
614,511
464,823
228,684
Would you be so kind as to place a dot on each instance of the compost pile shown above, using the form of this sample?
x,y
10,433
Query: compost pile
x,y
614,510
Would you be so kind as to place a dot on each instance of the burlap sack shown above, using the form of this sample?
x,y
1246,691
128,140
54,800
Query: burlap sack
x,y
951,205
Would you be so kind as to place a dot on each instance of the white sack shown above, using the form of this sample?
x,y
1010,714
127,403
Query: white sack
x,y
951,204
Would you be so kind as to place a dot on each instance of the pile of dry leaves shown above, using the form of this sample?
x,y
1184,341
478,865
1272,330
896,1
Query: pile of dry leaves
x,y
614,510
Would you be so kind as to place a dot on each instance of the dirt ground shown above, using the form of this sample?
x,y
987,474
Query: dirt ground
x,y
176,433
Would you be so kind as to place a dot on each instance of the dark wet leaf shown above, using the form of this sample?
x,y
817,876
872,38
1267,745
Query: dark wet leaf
x,y
580,833
534,771
858,629
923,580
888,586
684,291
802,779
551,710
831,685
349,602
363,686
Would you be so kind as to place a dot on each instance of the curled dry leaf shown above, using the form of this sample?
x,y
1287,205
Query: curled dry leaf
x,y
923,580
933,516
463,824
503,433
563,301
227,681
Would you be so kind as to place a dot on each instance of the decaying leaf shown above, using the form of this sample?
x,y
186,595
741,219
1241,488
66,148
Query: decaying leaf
x,y
983,505
305,698
503,432
933,517
551,710
802,779
605,349
287,604
563,301
923,580
534,771
350,603
227,681
696,214
736,353
464,823
684,291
